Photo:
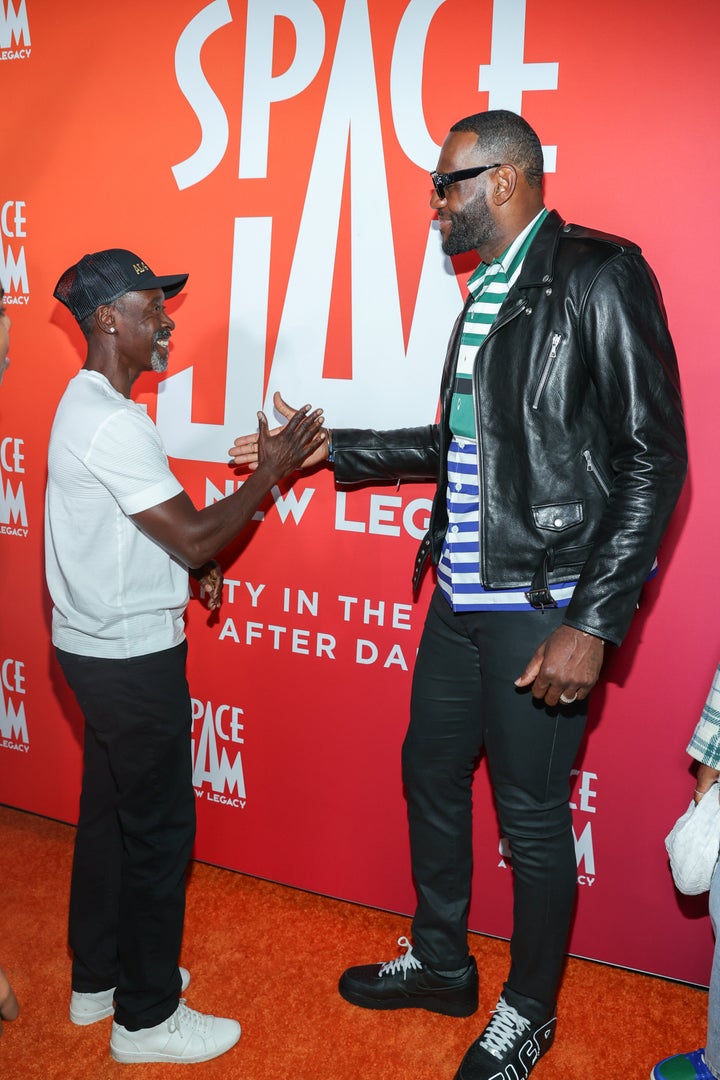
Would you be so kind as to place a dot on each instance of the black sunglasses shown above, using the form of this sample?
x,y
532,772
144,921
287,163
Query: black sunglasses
x,y
442,180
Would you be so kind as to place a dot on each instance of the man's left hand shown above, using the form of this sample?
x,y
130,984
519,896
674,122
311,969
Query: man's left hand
x,y
564,667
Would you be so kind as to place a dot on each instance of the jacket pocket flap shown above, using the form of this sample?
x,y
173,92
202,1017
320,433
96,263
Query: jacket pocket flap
x,y
558,516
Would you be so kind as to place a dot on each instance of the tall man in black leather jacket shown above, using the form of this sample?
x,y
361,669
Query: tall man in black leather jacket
x,y
577,456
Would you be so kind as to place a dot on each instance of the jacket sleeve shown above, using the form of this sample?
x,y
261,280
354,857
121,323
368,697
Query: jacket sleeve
x,y
629,353
402,454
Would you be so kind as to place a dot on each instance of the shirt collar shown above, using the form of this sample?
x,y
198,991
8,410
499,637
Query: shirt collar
x,y
508,260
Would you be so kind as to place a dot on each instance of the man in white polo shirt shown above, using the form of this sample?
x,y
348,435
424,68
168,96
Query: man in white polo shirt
x,y
121,534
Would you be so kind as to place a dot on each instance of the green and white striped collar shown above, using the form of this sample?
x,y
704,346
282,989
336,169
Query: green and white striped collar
x,y
512,258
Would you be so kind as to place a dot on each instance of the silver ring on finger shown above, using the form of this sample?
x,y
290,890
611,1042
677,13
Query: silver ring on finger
x,y
568,700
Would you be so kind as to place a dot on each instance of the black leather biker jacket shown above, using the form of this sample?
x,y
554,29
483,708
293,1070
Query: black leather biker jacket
x,y
581,441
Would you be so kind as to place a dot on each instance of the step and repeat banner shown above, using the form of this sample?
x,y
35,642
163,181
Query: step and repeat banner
x,y
278,151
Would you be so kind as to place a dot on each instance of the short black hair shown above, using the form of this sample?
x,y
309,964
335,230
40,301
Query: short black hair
x,y
506,137
87,324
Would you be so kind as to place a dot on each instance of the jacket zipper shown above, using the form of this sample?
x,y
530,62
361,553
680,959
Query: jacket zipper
x,y
497,325
594,471
545,375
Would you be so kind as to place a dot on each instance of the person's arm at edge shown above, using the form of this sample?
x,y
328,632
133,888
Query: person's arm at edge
x,y
704,745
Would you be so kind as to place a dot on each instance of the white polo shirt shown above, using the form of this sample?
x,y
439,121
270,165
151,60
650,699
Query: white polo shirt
x,y
115,592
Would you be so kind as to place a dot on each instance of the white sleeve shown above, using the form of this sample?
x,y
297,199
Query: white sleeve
x,y
128,458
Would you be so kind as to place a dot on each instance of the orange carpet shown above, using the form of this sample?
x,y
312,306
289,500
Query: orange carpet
x,y
270,956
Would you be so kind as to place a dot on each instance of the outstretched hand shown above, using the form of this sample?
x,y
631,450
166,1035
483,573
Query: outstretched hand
x,y
289,447
245,449
565,667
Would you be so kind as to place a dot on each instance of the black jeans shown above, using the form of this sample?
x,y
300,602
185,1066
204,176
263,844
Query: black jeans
x,y
135,830
464,701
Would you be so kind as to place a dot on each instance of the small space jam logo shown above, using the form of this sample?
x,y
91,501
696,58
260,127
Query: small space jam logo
x,y
13,513
217,759
13,724
13,267
14,31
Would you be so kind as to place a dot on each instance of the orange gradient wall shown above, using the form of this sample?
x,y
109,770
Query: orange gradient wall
x,y
279,151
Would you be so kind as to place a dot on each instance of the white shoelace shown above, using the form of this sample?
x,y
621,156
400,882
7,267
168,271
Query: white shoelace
x,y
503,1029
189,1020
403,964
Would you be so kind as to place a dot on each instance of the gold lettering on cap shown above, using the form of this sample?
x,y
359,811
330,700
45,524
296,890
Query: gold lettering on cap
x,y
141,268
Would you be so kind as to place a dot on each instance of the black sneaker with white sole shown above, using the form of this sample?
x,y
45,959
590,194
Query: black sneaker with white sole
x,y
509,1048
406,983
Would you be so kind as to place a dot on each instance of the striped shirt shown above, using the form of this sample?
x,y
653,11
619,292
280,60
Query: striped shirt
x,y
489,285
459,567
705,743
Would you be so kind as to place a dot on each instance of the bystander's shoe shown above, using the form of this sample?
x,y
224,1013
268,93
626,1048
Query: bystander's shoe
x,y
406,983
89,1008
185,1037
683,1067
509,1047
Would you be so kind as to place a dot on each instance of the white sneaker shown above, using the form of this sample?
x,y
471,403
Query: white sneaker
x,y
89,1008
186,1036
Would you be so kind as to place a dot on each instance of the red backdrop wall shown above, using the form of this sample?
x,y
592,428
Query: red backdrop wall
x,y
279,150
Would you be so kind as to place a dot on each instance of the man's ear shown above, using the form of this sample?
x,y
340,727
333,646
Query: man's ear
x,y
105,319
505,183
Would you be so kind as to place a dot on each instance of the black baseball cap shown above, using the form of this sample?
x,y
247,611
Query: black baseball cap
x,y
104,276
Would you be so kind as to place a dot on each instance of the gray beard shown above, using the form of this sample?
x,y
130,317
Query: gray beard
x,y
157,362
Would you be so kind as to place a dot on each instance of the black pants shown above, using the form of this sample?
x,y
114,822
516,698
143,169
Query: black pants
x,y
135,830
464,701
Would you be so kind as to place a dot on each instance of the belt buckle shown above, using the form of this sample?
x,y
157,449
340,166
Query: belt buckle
x,y
540,599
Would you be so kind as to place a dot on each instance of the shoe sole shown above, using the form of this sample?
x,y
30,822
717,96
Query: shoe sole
x,y
445,1008
129,1057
